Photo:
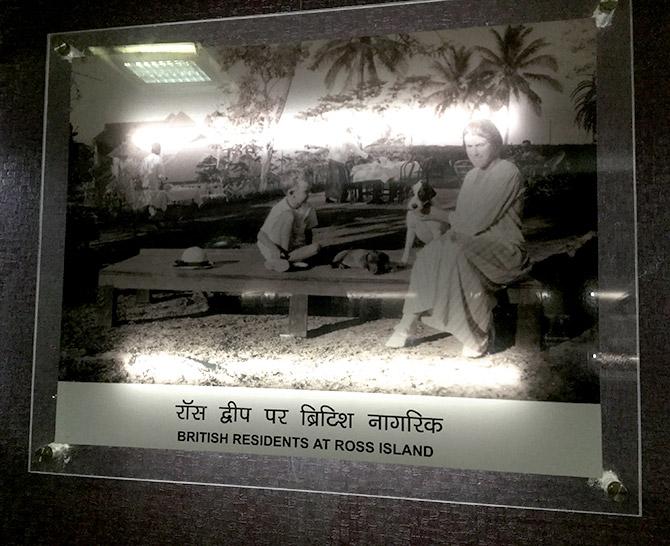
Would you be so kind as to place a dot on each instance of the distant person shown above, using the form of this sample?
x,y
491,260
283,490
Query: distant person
x,y
339,174
152,174
527,155
125,169
285,239
455,276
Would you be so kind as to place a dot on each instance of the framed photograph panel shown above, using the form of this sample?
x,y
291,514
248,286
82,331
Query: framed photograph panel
x,y
387,250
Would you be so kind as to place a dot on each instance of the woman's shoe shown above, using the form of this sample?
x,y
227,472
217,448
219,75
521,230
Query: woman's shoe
x,y
400,336
484,348
398,339
469,352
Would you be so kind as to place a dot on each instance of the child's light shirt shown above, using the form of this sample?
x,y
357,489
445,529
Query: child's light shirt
x,y
304,218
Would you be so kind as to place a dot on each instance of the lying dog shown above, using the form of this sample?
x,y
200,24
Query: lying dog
x,y
375,262
420,203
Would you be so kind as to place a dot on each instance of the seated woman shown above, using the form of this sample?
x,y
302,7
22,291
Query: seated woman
x,y
455,276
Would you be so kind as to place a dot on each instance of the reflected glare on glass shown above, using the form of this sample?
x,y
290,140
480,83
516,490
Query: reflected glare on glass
x,y
389,375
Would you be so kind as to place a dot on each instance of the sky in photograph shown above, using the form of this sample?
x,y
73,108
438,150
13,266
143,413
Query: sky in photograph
x,y
103,95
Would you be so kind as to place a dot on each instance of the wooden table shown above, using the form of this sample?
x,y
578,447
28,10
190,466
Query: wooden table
x,y
241,271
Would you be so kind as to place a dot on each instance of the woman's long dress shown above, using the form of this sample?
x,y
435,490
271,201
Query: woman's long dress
x,y
456,275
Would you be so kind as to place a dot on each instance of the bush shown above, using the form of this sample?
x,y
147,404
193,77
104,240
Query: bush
x,y
564,196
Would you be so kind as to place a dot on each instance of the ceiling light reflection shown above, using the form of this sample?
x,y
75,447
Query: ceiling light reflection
x,y
180,47
167,71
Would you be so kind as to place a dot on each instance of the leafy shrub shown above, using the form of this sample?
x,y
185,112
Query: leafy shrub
x,y
564,196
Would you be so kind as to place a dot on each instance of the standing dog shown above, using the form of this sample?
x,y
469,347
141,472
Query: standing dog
x,y
419,204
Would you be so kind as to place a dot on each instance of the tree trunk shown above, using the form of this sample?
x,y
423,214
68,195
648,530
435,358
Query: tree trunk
x,y
266,162
509,99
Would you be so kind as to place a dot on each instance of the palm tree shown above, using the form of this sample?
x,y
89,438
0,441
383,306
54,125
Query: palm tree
x,y
357,58
509,71
455,83
584,98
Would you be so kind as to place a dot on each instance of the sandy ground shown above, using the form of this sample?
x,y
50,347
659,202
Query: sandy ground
x,y
178,340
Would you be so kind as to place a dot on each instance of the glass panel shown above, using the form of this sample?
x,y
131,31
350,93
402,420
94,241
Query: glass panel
x,y
382,251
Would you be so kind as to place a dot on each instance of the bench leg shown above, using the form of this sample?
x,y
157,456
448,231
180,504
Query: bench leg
x,y
143,296
369,309
529,314
297,315
107,306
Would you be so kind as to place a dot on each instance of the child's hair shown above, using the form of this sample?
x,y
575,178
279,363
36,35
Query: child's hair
x,y
291,178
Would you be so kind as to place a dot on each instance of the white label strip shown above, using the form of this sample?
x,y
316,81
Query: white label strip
x,y
479,434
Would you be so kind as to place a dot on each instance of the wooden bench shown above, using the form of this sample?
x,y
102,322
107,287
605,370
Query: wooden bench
x,y
241,271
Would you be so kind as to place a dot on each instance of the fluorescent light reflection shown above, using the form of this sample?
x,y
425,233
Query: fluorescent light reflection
x,y
167,71
609,295
377,295
371,374
188,48
251,294
181,47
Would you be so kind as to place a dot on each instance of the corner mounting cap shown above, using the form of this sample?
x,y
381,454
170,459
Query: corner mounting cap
x,y
610,483
604,12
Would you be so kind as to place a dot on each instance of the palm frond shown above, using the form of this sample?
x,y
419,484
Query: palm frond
x,y
584,97
329,50
489,56
524,31
342,63
533,98
500,42
544,61
531,49
544,79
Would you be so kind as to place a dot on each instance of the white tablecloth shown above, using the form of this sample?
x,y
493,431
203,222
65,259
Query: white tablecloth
x,y
186,195
384,170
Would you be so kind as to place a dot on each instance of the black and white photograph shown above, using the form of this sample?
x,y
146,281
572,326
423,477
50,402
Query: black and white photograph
x,y
405,213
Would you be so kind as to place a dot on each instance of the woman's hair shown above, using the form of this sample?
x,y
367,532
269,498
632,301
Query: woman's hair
x,y
484,128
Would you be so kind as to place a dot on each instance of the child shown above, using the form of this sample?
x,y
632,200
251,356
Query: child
x,y
286,235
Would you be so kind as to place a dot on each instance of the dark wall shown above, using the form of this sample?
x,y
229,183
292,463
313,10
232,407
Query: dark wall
x,y
52,509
